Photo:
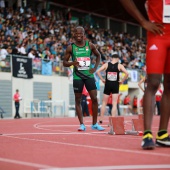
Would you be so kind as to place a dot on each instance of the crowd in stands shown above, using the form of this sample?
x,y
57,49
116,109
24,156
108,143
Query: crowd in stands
x,y
45,35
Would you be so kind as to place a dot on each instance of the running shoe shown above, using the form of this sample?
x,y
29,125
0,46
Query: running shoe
x,y
82,128
163,140
97,127
147,142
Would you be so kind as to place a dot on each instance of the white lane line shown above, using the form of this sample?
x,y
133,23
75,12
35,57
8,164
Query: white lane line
x,y
57,133
97,133
115,167
25,163
95,147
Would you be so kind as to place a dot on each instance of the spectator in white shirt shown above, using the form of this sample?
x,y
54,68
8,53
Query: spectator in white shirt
x,y
3,53
31,54
22,50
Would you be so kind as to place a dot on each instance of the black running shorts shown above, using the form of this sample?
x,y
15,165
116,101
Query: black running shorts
x,y
111,87
79,84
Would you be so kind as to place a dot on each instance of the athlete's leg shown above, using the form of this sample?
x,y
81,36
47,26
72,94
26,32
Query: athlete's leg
x,y
103,108
78,87
162,138
114,104
153,82
92,89
93,96
165,106
78,107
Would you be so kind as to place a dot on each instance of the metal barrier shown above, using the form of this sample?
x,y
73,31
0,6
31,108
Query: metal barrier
x,y
42,108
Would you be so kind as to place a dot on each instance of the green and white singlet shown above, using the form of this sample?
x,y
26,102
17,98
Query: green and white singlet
x,y
82,54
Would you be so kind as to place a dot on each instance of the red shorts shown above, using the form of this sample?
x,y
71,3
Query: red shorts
x,y
158,52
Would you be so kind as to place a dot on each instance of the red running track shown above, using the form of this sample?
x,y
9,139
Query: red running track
x,y
55,144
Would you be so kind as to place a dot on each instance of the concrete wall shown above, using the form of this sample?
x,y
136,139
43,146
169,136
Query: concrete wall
x,y
60,89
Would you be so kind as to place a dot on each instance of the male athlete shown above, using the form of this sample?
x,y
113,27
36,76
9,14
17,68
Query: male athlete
x,y
81,51
158,64
111,82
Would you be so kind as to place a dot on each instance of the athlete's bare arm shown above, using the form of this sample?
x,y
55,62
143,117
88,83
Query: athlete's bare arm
x,y
140,83
102,68
131,8
98,56
122,68
66,62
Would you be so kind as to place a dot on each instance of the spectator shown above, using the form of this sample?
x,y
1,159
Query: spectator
x,y
84,105
158,97
28,29
135,105
31,54
17,99
4,52
126,101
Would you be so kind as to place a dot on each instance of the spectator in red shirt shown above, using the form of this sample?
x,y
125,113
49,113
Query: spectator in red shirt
x,y
135,105
109,103
126,100
158,97
17,99
84,105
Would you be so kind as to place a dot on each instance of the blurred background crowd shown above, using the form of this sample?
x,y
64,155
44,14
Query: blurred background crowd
x,y
43,34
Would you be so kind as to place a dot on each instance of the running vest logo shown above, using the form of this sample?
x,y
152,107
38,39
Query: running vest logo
x,y
153,47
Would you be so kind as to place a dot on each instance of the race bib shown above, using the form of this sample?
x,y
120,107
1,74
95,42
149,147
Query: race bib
x,y
112,76
166,11
84,63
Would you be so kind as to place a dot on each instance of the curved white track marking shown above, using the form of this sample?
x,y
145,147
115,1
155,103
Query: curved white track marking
x,y
95,147
124,167
69,132
25,163
52,130
97,133
36,126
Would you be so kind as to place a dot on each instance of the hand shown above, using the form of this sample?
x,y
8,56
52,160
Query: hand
x,y
92,70
75,63
120,82
155,28
103,81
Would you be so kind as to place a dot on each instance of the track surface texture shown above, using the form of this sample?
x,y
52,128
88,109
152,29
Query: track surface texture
x,y
55,144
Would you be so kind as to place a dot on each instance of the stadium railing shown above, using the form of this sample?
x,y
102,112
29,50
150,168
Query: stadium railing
x,y
57,68
41,108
